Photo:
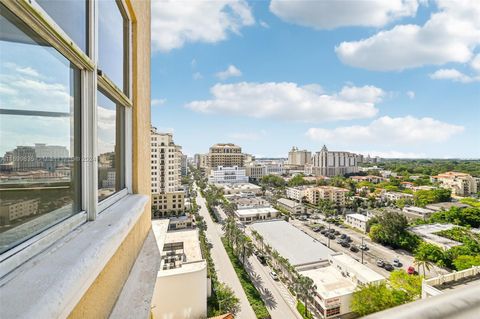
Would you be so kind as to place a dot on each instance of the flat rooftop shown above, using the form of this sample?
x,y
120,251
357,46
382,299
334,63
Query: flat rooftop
x,y
361,272
428,233
241,186
287,202
361,217
330,282
190,240
254,211
290,242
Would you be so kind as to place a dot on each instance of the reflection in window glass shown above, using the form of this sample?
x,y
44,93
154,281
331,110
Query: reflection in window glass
x,y
71,16
39,123
110,146
111,42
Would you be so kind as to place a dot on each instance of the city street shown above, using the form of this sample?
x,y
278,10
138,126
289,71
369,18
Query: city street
x,y
376,251
223,266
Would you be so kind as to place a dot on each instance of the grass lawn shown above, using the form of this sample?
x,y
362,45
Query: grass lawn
x,y
301,310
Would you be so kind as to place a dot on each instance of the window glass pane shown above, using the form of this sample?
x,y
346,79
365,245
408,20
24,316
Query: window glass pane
x,y
110,146
71,16
39,137
111,42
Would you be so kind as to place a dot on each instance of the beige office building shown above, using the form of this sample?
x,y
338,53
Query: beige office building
x,y
298,157
330,163
226,155
166,158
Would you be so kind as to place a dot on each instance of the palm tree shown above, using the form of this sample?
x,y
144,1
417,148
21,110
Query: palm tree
x,y
421,261
247,249
305,289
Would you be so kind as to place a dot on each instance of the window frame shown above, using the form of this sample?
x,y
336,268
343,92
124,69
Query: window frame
x,y
40,22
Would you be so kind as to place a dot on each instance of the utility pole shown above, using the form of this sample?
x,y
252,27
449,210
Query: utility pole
x,y
328,235
361,247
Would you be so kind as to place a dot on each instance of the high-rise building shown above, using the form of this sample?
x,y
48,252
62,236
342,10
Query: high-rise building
x,y
184,165
166,158
332,163
225,154
299,157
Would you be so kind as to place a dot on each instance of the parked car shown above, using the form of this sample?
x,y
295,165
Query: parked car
x,y
323,232
397,262
388,267
331,236
348,239
339,241
274,275
411,271
342,236
262,259
380,263
354,249
337,233
316,229
345,244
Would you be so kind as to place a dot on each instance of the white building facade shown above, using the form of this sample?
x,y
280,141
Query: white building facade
x,y
230,175
329,163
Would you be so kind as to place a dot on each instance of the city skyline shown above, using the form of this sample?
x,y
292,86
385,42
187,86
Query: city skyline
x,y
270,75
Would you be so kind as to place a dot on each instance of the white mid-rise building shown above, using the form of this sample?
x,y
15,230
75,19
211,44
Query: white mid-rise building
x,y
166,158
230,175
297,193
256,171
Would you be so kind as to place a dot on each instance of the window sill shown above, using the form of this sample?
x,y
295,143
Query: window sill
x,y
52,283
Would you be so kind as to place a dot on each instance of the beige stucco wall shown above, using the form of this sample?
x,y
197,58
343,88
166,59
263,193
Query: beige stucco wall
x,y
102,294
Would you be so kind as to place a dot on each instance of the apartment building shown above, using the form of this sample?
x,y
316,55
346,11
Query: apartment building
x,y
394,196
297,193
166,164
229,175
336,195
461,184
225,154
12,210
89,83
357,221
298,157
369,178
331,163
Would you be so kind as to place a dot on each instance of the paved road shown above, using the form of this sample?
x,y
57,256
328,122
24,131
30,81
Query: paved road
x,y
376,251
223,266
276,296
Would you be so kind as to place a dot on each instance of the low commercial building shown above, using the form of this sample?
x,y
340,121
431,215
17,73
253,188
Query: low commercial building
x,y
181,222
455,280
240,188
250,214
292,243
255,171
336,195
181,285
437,207
394,196
336,282
461,184
429,234
231,175
290,205
414,212
358,221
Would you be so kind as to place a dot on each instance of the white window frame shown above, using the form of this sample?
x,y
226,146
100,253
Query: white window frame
x,y
40,22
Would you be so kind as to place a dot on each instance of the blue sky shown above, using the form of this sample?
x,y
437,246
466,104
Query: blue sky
x,y
396,78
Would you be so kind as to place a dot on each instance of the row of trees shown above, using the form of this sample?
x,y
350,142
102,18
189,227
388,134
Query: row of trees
x,y
431,166
390,228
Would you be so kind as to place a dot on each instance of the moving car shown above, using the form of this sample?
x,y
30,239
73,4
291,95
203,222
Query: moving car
x,y
380,263
397,262
274,275
262,259
388,267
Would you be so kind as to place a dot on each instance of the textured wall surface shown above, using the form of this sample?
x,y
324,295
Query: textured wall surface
x,y
102,294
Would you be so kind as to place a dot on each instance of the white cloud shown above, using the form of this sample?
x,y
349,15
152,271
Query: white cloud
x,y
197,76
264,24
389,131
450,35
411,94
475,63
231,71
334,14
289,101
156,102
454,75
175,23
